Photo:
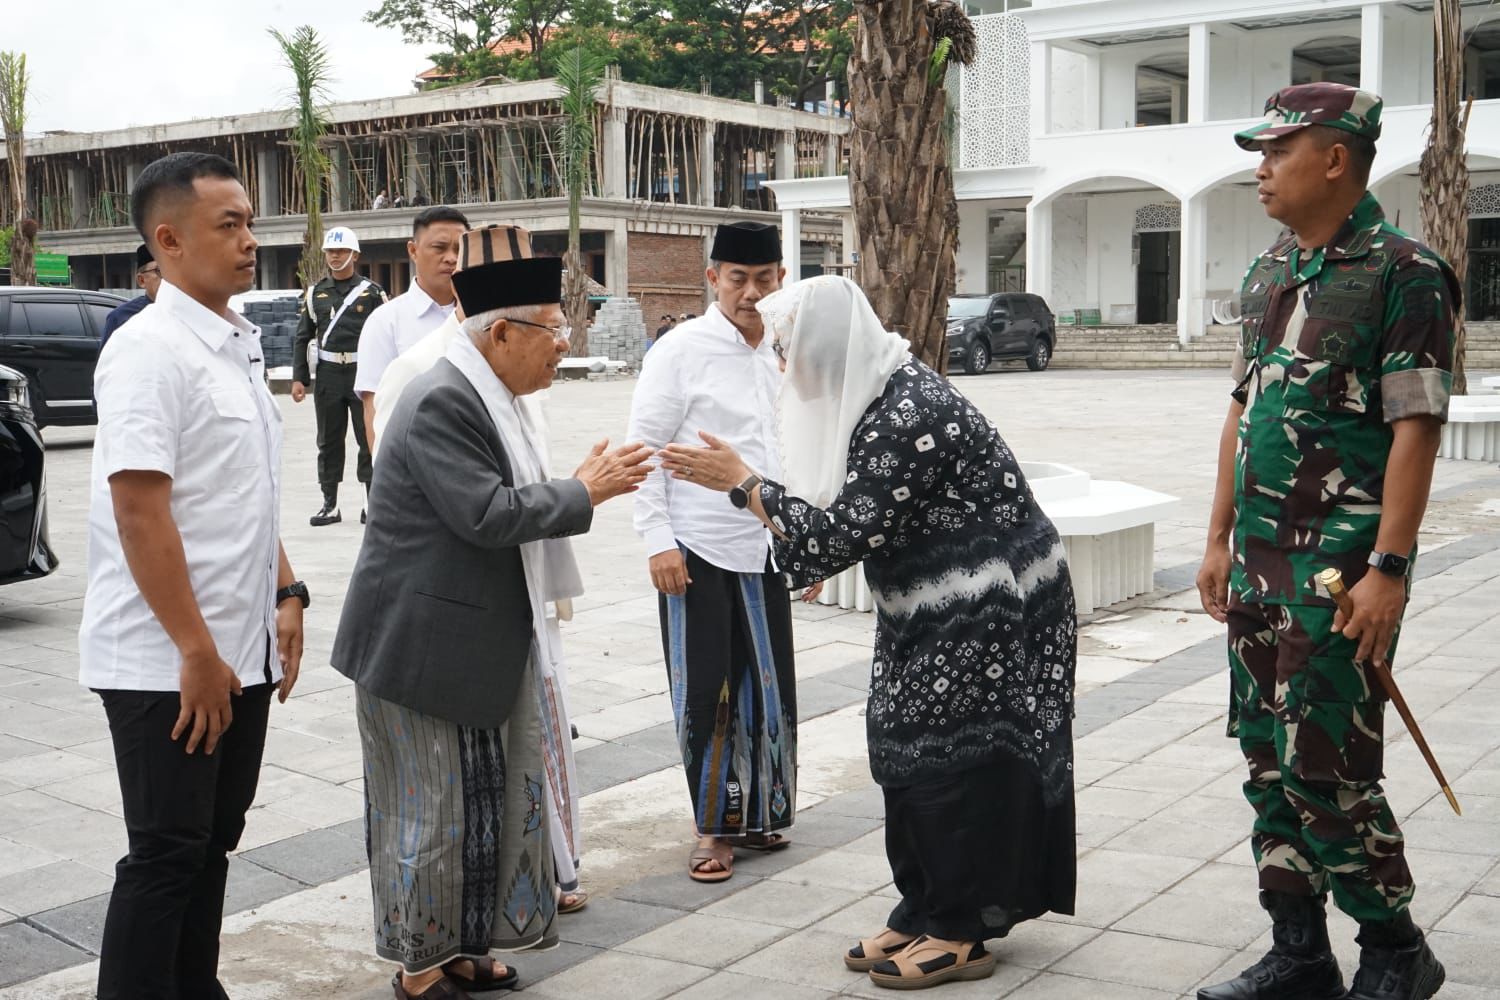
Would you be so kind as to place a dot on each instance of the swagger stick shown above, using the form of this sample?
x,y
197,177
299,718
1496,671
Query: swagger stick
x,y
1334,581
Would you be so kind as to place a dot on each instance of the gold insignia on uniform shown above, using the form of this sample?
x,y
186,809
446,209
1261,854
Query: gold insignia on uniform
x,y
322,295
359,308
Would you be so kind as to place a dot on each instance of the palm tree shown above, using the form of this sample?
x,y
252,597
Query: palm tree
x,y
14,84
900,175
579,74
1444,170
304,53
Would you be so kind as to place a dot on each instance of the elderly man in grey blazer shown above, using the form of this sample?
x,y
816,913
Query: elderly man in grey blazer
x,y
443,633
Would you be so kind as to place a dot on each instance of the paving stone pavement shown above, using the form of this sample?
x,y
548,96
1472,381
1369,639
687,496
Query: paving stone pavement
x,y
1166,886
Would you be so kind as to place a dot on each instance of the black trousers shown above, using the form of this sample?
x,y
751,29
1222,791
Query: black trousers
x,y
977,852
183,814
337,406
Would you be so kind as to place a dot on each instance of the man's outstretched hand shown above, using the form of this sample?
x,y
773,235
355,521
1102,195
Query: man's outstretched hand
x,y
608,474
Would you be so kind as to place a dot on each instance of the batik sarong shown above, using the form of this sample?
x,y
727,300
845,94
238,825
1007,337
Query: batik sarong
x,y
456,826
562,772
728,646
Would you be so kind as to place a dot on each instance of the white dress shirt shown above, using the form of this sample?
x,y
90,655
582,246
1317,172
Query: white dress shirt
x,y
412,362
182,391
704,377
391,329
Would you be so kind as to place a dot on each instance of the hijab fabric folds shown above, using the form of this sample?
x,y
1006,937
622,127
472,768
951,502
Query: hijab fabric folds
x,y
839,358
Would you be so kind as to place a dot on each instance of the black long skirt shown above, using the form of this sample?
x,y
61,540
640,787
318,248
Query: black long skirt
x,y
976,853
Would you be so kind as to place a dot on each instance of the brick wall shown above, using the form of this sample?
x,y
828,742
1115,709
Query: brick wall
x,y
666,275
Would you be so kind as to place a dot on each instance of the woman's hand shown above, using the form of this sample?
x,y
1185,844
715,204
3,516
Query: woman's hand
x,y
717,467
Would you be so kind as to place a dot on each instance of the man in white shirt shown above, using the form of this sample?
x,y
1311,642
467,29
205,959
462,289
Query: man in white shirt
x,y
437,235
500,243
192,615
725,611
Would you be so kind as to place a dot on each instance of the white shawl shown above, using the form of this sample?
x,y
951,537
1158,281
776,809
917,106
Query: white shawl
x,y
838,360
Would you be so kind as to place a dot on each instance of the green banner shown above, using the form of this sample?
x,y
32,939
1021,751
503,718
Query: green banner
x,y
52,269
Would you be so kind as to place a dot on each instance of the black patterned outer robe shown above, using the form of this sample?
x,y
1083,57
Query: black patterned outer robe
x,y
976,630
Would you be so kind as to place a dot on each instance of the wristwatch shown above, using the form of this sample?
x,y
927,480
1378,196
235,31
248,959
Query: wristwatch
x,y
740,495
296,589
1389,564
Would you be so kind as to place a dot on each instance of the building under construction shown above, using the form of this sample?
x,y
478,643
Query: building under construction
x,y
668,167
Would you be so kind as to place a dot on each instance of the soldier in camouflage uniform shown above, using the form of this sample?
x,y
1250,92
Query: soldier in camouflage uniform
x,y
1342,383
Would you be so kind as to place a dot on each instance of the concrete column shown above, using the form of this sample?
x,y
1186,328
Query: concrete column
x,y
1039,249
268,167
1093,111
1199,73
786,155
410,184
1192,302
1372,47
831,160
339,193
973,263
512,180
851,237
1041,88
132,171
708,166
617,260
78,198
616,168
791,243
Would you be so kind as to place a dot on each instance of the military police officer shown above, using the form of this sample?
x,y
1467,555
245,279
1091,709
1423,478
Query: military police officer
x,y
333,314
1342,384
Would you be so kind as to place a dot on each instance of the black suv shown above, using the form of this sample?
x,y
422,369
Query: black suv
x,y
51,335
25,553
1007,326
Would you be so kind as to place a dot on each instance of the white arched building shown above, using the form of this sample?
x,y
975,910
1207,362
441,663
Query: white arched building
x,y
1095,157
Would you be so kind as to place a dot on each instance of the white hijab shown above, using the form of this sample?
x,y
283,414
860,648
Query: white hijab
x,y
839,358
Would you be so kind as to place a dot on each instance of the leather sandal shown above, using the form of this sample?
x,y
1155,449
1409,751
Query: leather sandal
x,y
443,989
484,977
868,953
719,851
571,900
926,962
767,842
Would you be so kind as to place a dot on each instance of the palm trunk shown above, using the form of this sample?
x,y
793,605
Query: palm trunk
x,y
900,181
576,292
1444,169
14,84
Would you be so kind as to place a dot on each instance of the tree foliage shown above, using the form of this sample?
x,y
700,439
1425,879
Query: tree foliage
x,y
15,84
304,53
580,75
795,47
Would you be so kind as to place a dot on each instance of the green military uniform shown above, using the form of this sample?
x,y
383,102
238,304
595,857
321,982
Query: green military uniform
x,y
336,351
1337,344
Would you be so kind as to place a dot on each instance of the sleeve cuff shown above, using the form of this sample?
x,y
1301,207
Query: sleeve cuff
x,y
660,539
1416,392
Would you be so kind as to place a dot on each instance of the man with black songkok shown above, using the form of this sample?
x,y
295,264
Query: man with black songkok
x,y
725,612
148,279
444,633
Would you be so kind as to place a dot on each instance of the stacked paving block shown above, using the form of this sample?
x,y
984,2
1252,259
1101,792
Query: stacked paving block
x,y
619,332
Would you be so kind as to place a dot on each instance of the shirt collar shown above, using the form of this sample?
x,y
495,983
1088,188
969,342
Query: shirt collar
x,y
210,327
421,302
1354,237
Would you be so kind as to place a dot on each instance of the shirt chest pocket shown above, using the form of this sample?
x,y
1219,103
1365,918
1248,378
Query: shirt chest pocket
x,y
231,439
1336,366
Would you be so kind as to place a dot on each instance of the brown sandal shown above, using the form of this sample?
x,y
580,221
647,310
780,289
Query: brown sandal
x,y
443,989
927,962
719,851
485,977
767,842
572,900
868,953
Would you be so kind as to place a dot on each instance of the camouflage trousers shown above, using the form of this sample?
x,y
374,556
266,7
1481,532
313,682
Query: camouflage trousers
x,y
1309,719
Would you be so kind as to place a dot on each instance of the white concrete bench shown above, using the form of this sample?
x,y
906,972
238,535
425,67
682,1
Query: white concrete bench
x,y
1491,383
1108,529
582,367
1473,428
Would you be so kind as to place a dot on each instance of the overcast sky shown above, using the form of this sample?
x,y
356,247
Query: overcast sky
x,y
102,64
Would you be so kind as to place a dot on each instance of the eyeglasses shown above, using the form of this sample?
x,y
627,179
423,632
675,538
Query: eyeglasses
x,y
153,269
564,331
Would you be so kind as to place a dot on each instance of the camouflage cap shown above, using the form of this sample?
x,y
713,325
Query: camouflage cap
x,y
1333,104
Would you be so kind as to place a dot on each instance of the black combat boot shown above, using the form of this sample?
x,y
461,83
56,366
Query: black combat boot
x,y
1395,962
1299,966
330,512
